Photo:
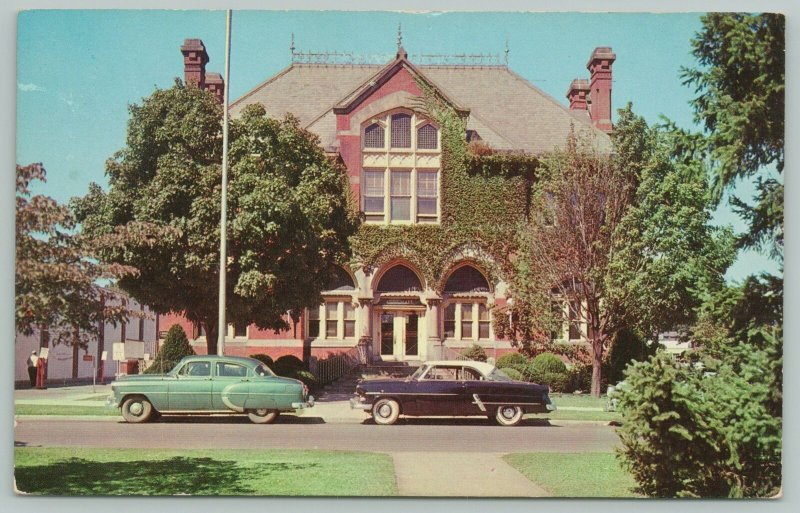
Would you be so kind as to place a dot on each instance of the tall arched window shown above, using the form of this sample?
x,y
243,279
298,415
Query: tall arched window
x,y
401,130
400,180
466,317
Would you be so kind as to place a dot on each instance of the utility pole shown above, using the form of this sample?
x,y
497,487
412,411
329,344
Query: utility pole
x,y
223,236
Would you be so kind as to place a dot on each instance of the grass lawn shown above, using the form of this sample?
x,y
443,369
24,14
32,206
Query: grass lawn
x,y
597,474
606,416
56,409
79,471
579,401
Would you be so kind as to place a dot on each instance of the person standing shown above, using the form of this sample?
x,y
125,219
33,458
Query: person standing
x,y
33,360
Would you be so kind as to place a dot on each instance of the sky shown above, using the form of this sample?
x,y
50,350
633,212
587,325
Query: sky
x,y
77,71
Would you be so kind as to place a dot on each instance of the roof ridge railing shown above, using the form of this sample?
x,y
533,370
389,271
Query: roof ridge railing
x,y
335,58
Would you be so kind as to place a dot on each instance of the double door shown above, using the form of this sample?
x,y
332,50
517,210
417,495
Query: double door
x,y
399,335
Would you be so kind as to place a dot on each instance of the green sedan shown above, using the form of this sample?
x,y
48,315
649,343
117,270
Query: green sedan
x,y
207,385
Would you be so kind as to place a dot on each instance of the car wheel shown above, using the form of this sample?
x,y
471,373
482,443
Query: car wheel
x,y
136,409
385,411
508,415
263,416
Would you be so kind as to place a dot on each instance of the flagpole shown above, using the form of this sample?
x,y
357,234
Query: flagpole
x,y
222,326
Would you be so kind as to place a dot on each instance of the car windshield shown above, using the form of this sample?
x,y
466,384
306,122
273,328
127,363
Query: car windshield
x,y
498,375
263,370
419,372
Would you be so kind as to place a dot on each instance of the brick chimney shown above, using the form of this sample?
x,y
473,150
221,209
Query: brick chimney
x,y
195,59
577,94
599,67
216,84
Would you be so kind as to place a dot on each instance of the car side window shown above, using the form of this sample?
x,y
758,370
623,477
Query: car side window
x,y
231,370
196,369
443,373
469,375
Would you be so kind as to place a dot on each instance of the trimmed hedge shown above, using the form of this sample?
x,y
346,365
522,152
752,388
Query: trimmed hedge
x,y
512,373
174,348
511,360
263,358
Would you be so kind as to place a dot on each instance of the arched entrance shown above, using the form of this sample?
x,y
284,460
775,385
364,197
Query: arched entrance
x,y
400,314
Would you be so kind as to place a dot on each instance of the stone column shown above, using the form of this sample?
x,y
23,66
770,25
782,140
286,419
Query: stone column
x,y
434,338
365,337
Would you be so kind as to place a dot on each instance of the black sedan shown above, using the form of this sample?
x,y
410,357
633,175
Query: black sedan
x,y
452,388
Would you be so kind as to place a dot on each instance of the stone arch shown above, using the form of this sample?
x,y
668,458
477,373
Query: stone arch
x,y
343,280
398,267
467,274
468,254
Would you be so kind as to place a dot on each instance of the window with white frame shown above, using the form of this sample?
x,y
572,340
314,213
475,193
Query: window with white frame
x,y
467,320
334,319
398,191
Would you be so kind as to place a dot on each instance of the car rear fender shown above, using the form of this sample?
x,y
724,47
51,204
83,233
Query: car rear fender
x,y
235,396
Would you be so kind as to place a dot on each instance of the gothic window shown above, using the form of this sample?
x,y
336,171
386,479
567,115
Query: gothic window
x,y
401,131
340,280
401,195
467,320
374,136
427,137
427,195
373,194
338,321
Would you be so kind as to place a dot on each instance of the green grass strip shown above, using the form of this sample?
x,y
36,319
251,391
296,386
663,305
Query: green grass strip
x,y
56,409
575,474
80,471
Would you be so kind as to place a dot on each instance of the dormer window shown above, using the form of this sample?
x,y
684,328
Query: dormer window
x,y
374,136
427,137
401,131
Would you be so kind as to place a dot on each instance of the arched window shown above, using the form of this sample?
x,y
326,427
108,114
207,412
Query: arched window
x,y
466,279
340,280
374,136
401,131
399,279
427,137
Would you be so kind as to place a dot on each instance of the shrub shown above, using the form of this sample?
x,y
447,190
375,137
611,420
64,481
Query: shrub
x,y
687,432
175,347
263,358
287,365
548,362
512,373
511,360
548,369
308,378
580,378
475,352
626,347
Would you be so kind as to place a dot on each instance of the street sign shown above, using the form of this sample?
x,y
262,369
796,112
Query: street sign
x,y
134,350
104,356
118,350
88,358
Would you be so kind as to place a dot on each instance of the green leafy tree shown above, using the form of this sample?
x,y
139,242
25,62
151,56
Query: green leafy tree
x,y
57,276
740,102
290,212
174,347
666,255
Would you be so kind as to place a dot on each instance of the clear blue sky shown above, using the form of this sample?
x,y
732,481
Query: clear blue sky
x,y
79,70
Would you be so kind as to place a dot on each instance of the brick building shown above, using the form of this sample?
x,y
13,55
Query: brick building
x,y
367,115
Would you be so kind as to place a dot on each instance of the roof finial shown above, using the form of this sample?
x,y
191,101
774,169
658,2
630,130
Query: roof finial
x,y
507,51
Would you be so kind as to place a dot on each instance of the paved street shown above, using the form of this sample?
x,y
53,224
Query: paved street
x,y
311,432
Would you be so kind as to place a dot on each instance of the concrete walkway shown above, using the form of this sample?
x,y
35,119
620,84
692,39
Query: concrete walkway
x,y
424,474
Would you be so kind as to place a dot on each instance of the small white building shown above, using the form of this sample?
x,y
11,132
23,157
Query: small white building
x,y
66,363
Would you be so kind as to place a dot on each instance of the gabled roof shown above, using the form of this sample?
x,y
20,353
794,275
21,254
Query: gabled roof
x,y
507,111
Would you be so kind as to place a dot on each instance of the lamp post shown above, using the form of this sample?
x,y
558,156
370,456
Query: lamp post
x,y
223,235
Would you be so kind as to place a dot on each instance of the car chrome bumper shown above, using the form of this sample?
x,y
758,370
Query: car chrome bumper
x,y
356,405
111,403
302,406
551,407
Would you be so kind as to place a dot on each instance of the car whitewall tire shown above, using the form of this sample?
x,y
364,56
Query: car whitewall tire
x,y
262,416
136,409
508,415
385,411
